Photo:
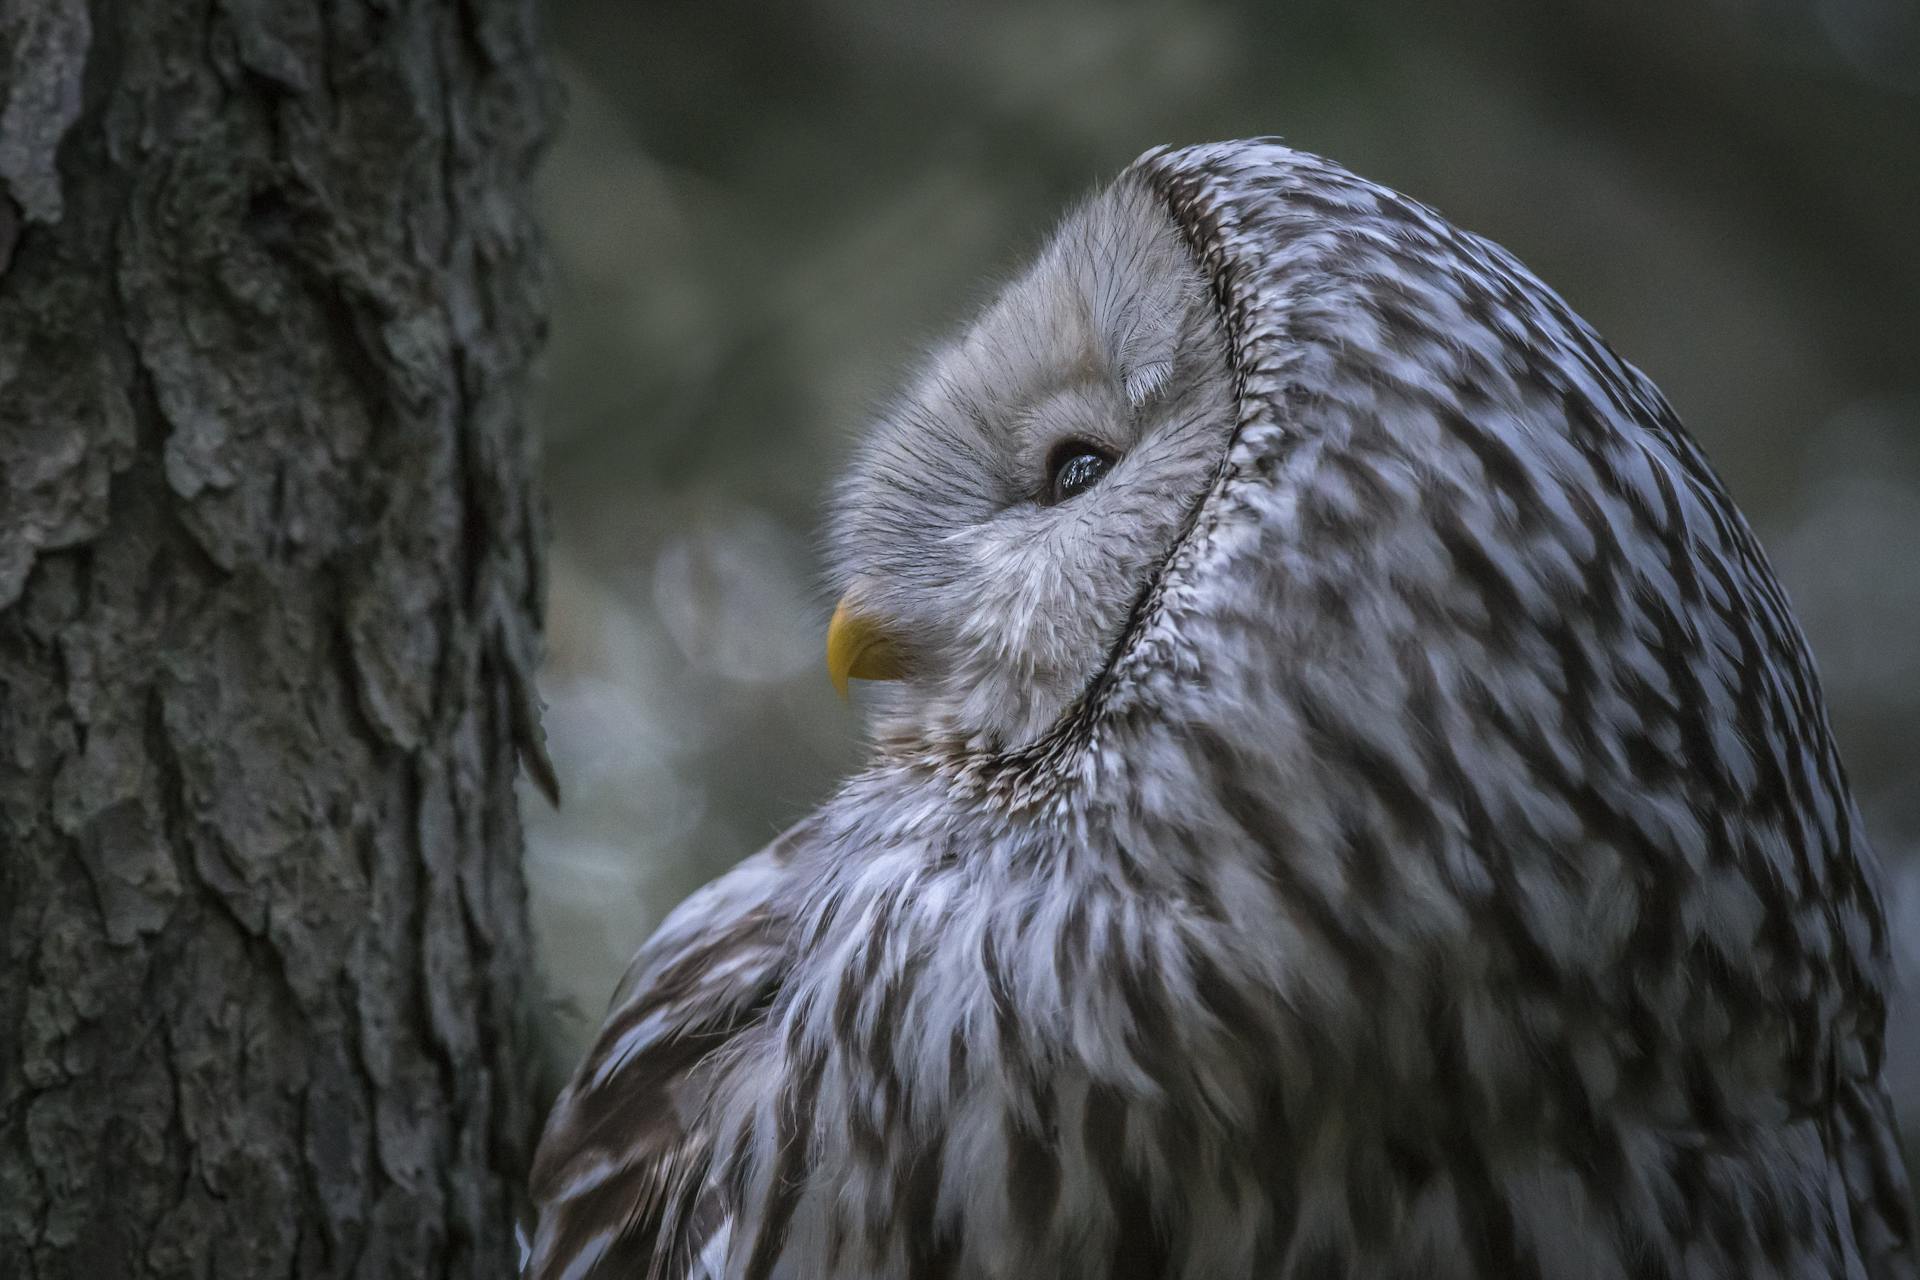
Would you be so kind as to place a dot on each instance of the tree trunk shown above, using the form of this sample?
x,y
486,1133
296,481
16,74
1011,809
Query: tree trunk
x,y
269,582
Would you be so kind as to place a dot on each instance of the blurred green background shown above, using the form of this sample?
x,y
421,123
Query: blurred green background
x,y
760,214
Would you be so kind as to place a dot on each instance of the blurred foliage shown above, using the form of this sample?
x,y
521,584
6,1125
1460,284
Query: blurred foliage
x,y
762,213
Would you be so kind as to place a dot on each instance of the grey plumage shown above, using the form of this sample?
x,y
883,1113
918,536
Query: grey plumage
x,y
1388,827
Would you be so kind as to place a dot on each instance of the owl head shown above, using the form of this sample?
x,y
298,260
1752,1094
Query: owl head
x,y
996,527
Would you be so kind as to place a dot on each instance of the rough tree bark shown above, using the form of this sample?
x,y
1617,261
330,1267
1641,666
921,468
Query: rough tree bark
x,y
269,573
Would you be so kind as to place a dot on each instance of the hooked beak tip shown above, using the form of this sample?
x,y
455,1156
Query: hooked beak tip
x,y
859,648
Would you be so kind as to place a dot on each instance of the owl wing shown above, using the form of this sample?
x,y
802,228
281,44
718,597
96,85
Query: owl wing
x,y
623,1181
1865,1150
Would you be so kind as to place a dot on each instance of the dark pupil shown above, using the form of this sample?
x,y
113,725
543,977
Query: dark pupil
x,y
1078,471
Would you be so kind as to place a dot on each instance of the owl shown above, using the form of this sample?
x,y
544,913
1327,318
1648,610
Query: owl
x,y
1348,799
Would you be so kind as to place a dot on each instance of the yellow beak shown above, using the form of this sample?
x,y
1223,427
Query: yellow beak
x,y
859,648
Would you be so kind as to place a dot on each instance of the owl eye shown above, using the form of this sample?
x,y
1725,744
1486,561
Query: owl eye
x,y
1074,468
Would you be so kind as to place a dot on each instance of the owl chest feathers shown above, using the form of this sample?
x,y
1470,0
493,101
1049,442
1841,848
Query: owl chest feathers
x,y
1212,1046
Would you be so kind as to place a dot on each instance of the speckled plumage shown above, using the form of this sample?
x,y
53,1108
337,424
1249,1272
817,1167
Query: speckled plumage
x,y
1437,864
